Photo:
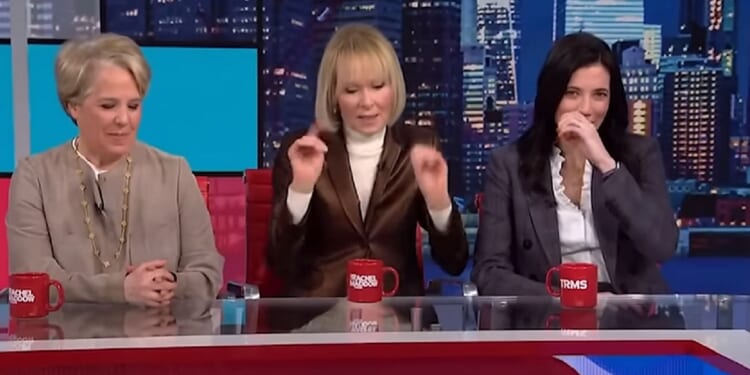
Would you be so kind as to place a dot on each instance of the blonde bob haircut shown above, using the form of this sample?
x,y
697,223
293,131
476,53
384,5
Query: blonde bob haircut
x,y
77,62
356,41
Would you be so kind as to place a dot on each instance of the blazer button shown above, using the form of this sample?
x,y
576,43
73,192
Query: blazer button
x,y
526,244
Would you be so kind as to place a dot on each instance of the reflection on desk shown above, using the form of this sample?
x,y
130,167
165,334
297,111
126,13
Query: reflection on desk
x,y
529,313
83,320
404,314
439,333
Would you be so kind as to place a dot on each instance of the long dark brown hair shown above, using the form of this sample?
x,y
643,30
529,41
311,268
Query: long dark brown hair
x,y
568,54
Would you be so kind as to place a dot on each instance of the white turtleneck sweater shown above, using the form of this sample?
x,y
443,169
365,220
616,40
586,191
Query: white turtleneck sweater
x,y
364,155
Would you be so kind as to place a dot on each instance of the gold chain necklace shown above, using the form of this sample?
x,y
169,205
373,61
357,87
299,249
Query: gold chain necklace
x,y
87,218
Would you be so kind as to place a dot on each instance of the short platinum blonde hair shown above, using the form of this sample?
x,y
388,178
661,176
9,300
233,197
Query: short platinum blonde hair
x,y
362,41
78,60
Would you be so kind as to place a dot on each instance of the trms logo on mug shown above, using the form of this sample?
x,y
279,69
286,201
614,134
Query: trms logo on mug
x,y
578,284
574,284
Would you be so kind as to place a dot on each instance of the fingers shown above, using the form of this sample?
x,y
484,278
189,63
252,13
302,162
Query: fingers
x,y
158,298
573,120
574,116
423,155
164,286
166,297
308,144
313,130
149,266
151,298
160,274
155,287
569,131
571,126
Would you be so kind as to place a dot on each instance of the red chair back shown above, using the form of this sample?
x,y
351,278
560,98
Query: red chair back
x,y
203,185
225,199
479,202
259,201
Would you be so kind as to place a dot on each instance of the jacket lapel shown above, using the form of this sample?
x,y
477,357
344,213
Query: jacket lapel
x,y
388,158
337,167
605,223
544,218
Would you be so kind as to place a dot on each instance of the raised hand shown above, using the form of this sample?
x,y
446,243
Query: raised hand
x,y
431,173
574,129
306,156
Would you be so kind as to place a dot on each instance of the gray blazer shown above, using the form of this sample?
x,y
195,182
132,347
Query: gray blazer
x,y
518,237
168,220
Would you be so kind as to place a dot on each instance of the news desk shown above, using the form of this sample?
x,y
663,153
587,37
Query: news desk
x,y
674,334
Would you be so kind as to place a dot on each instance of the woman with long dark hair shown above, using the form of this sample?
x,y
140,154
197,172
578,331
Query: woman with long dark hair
x,y
576,187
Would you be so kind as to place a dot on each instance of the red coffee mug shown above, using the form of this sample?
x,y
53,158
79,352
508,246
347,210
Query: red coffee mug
x,y
364,278
28,295
578,284
585,319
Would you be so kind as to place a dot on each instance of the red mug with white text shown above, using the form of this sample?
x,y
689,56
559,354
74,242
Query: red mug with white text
x,y
28,295
364,280
578,284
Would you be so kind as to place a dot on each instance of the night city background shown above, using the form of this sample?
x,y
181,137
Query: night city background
x,y
471,67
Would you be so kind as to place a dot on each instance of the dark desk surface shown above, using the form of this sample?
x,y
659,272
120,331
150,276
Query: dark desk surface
x,y
623,325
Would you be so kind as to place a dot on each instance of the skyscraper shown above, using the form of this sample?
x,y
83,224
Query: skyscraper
x,y
386,15
58,19
474,148
433,72
201,20
652,43
695,128
558,19
287,73
609,20
499,31
190,21
4,18
643,90
710,26
127,17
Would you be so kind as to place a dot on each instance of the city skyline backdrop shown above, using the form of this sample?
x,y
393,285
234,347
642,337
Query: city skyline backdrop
x,y
471,67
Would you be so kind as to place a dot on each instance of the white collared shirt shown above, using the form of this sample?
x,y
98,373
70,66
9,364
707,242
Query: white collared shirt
x,y
96,170
578,238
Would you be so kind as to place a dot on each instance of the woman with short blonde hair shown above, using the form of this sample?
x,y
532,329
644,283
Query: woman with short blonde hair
x,y
358,183
362,42
113,219
78,59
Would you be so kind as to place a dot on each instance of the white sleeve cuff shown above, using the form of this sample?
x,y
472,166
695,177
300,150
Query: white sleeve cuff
x,y
441,218
297,204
